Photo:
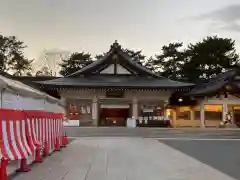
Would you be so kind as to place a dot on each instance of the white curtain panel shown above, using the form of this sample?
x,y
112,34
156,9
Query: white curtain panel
x,y
16,95
9,100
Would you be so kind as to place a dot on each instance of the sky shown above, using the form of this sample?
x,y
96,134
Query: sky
x,y
93,25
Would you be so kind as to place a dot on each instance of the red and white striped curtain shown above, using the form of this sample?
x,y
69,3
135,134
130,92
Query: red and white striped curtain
x,y
22,131
13,135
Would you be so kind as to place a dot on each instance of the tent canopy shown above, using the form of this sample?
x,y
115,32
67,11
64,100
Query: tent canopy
x,y
19,88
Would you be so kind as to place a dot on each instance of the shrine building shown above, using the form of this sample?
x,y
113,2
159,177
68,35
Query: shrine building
x,y
114,88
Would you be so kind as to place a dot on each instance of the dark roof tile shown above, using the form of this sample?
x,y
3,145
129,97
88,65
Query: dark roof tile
x,y
116,81
213,84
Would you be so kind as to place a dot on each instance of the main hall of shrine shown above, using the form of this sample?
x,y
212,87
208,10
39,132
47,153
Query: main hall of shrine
x,y
115,88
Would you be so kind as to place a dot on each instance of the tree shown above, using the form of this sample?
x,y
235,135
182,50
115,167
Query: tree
x,y
29,74
4,53
170,62
149,64
75,62
44,71
136,56
12,56
99,56
19,64
210,57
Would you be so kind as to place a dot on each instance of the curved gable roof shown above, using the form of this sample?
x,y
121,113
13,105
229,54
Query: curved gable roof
x,y
108,59
90,76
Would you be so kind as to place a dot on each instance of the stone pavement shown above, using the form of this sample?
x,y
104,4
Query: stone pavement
x,y
121,159
192,133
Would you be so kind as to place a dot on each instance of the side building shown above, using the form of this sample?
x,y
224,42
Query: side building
x,y
214,99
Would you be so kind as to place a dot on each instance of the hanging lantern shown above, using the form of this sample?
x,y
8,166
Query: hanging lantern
x,y
228,87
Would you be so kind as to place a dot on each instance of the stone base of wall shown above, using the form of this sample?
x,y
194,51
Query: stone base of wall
x,y
212,123
187,123
197,123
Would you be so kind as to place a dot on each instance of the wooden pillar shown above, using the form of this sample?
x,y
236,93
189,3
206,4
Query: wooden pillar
x,y
232,114
202,115
174,118
224,110
135,108
192,116
95,111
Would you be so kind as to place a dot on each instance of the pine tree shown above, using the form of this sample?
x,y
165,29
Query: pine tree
x,y
75,62
170,62
12,57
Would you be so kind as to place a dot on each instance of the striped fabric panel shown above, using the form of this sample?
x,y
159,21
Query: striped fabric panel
x,y
15,146
36,129
52,127
24,125
43,131
7,148
50,134
31,134
55,129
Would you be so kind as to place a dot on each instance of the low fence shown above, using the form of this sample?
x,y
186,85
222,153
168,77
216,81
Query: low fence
x,y
27,136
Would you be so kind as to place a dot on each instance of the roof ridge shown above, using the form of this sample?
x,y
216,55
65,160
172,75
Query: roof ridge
x,y
115,48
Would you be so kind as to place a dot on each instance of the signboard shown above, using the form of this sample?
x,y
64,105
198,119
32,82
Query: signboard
x,y
147,110
114,93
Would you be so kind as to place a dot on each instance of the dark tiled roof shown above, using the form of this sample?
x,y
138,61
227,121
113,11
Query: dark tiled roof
x,y
31,80
214,84
141,77
5,74
236,83
107,59
115,82
34,78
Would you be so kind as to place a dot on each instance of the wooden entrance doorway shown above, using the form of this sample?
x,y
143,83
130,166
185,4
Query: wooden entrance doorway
x,y
114,115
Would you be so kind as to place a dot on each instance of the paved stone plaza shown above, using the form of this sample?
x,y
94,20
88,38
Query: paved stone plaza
x,y
122,158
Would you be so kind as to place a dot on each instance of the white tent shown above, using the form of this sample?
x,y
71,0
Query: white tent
x,y
16,95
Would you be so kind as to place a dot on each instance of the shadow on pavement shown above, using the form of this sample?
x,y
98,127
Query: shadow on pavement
x,y
221,155
34,165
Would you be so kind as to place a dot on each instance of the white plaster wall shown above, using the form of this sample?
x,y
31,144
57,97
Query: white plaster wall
x,y
108,70
122,70
129,94
149,95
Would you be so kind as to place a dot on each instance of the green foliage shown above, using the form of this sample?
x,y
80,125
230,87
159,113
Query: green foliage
x,y
44,71
209,57
149,64
19,64
205,59
136,56
170,62
75,62
12,57
99,56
